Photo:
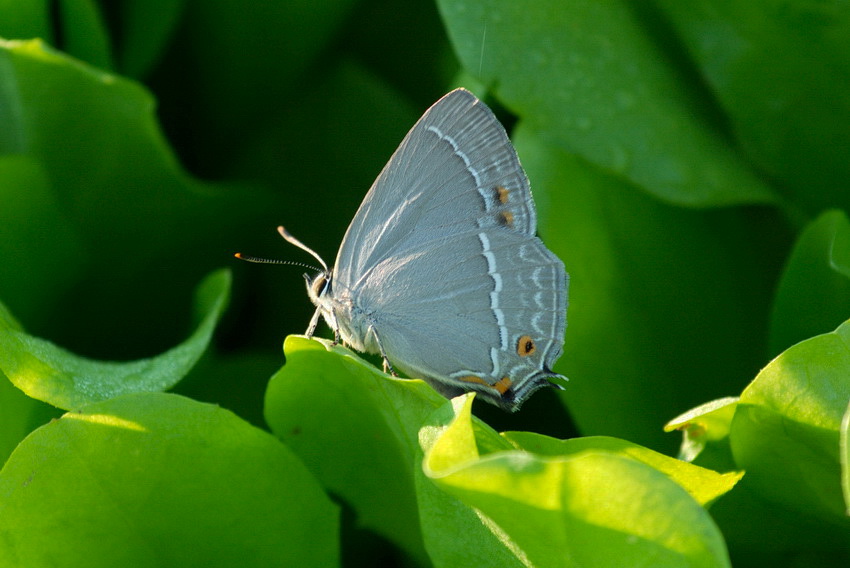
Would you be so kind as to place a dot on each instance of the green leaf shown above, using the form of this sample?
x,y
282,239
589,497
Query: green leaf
x,y
325,394
47,372
781,72
456,534
81,27
112,171
108,182
34,230
248,87
125,157
21,414
786,427
356,429
706,427
146,27
814,292
24,20
83,32
159,480
845,459
593,507
586,76
704,485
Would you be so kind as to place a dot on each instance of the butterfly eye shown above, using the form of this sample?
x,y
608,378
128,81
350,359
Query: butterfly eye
x,y
320,285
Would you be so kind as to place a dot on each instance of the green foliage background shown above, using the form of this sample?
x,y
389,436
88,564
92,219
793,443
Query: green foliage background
x,y
691,166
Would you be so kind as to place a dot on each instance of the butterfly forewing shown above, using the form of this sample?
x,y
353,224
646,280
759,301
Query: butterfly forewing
x,y
456,169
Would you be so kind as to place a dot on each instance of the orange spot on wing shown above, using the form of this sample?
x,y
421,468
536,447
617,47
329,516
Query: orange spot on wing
x,y
525,346
501,386
474,379
506,218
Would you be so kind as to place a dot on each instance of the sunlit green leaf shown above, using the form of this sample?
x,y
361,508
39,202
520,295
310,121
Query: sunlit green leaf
x,y
47,372
706,426
704,485
325,394
155,479
592,507
785,433
845,458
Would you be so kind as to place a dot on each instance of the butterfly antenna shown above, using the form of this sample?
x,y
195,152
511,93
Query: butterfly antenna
x,y
258,260
292,240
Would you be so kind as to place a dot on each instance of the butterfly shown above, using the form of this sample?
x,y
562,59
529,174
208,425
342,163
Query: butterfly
x,y
440,271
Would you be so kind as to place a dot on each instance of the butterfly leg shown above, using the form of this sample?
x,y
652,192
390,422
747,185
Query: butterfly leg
x,y
337,337
311,329
388,367
314,321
